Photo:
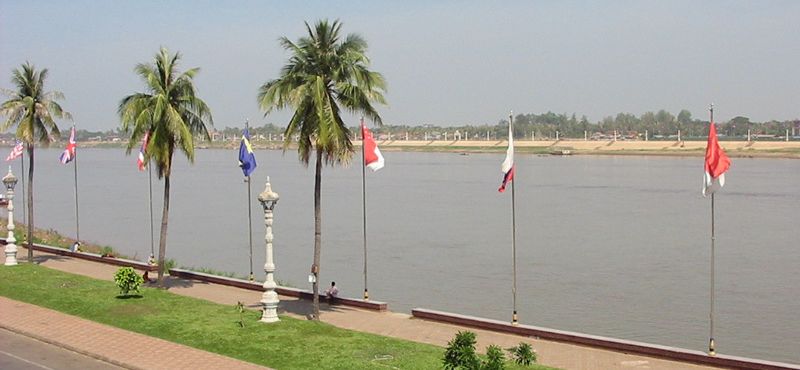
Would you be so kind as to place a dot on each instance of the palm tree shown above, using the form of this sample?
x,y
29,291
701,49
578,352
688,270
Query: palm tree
x,y
173,115
324,74
32,110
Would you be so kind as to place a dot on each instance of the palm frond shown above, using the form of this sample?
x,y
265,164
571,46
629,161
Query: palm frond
x,y
30,108
170,111
323,72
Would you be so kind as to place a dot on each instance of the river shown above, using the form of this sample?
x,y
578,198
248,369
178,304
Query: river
x,y
606,245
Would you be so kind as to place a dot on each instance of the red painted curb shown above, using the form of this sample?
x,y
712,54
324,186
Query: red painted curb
x,y
289,292
91,257
619,345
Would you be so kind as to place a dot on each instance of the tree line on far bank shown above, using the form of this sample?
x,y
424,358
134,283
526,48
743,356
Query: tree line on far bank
x,y
660,124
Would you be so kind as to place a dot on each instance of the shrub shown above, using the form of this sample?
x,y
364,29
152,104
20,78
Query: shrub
x,y
169,263
20,235
284,283
460,352
107,252
523,354
211,271
128,280
495,359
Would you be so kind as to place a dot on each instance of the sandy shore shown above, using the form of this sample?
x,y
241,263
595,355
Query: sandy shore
x,y
752,149
774,149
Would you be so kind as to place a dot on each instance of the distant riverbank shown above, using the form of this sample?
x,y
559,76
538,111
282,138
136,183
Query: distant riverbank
x,y
771,149
752,149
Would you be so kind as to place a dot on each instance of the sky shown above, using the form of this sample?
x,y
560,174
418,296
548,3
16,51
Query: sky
x,y
446,62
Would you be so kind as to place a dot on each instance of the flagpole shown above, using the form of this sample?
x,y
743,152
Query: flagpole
x,y
249,213
75,167
150,195
24,200
711,350
513,227
250,226
364,205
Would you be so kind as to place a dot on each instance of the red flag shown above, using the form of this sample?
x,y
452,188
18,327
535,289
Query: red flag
x,y
717,162
69,153
16,152
140,160
372,155
508,177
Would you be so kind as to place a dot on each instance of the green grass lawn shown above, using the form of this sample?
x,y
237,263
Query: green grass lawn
x,y
289,344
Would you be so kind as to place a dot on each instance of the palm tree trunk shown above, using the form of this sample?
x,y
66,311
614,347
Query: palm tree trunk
x,y
162,243
317,230
30,203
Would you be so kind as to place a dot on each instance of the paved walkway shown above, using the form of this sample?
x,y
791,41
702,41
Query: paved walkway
x,y
110,344
561,355
20,352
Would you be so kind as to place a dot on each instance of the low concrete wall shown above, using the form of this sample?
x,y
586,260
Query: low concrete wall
x,y
91,257
620,345
286,291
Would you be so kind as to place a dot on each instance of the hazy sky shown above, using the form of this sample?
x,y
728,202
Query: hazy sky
x,y
447,63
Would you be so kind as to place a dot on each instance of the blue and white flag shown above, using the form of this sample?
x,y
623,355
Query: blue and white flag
x,y
247,159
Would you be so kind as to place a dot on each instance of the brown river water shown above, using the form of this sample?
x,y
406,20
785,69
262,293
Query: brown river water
x,y
614,246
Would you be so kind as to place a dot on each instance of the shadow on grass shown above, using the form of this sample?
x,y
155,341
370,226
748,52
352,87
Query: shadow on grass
x,y
42,258
172,282
304,307
291,305
130,296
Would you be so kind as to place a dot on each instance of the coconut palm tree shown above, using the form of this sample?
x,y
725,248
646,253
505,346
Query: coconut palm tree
x,y
33,111
173,115
324,74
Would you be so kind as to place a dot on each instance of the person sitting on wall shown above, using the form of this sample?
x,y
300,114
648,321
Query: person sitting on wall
x,y
332,292
75,247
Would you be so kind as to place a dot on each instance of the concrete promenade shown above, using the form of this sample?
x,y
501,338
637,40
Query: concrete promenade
x,y
115,345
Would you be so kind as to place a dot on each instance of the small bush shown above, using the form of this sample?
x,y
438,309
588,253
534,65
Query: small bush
x,y
495,358
107,252
20,235
210,271
284,283
128,280
460,352
523,354
169,263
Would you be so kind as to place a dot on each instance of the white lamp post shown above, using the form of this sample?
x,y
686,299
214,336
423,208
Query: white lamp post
x,y
11,248
268,199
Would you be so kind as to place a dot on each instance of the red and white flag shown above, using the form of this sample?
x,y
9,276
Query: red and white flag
x,y
16,152
140,160
69,153
372,155
508,164
717,162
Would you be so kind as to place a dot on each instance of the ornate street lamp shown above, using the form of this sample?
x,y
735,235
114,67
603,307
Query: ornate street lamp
x,y
268,200
11,248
